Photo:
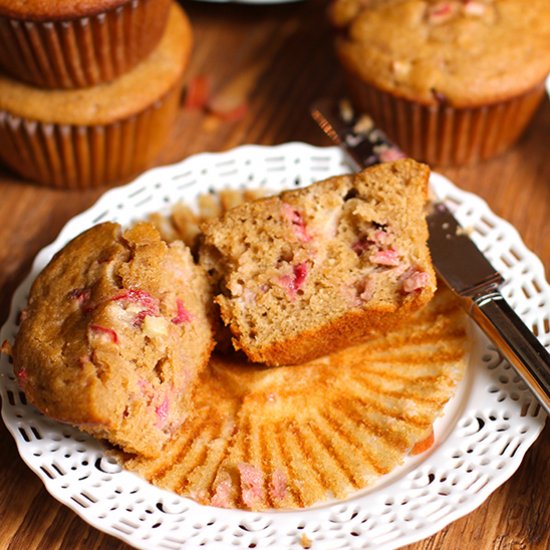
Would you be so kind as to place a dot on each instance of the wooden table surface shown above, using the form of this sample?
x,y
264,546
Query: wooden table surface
x,y
280,58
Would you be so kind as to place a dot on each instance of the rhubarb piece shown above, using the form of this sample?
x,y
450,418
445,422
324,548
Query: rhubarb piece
x,y
198,93
292,283
252,485
424,444
317,269
183,315
442,12
116,334
415,280
222,497
138,301
228,108
105,331
297,222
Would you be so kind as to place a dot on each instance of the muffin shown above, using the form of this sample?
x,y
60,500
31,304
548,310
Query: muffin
x,y
99,135
115,335
318,269
452,82
63,44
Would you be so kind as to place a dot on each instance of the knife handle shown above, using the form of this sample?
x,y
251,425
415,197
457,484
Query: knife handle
x,y
517,343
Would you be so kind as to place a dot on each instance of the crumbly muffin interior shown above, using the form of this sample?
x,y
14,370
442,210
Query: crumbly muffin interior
x,y
290,264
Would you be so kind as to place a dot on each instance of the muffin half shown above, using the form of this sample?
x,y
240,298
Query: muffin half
x,y
115,335
318,269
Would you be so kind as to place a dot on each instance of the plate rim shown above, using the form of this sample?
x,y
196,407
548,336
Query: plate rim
x,y
157,172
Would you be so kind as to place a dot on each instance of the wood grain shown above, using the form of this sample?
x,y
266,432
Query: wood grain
x,y
279,58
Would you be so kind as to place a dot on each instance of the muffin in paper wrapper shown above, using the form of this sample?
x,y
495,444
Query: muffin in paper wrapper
x,y
442,134
77,156
83,51
452,82
100,135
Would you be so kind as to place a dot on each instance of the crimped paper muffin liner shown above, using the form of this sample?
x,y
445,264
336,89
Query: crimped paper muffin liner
x,y
291,437
78,156
82,52
442,134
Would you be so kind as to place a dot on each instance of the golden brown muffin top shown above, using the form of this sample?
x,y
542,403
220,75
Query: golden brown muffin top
x,y
142,86
114,335
464,52
53,10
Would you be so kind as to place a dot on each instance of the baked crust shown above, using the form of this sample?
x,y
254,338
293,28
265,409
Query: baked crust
x,y
148,82
115,334
466,54
54,10
355,327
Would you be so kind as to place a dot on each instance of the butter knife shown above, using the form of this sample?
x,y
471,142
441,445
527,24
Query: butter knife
x,y
457,260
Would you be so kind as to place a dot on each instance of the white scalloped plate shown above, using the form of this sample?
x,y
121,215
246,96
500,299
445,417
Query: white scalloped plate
x,y
480,441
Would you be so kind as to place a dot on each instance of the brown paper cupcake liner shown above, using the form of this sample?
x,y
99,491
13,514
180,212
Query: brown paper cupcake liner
x,y
77,156
82,52
291,437
444,135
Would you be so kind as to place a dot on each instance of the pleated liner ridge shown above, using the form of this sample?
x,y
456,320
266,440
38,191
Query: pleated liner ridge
x,y
288,437
74,156
82,52
445,135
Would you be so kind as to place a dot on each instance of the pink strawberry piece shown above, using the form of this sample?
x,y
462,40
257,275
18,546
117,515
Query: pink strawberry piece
x,y
278,486
82,296
300,274
106,331
162,412
149,303
183,315
297,221
414,280
252,484
294,282
361,245
385,257
222,495
198,93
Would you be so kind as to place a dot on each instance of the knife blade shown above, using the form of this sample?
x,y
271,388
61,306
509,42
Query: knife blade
x,y
456,258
